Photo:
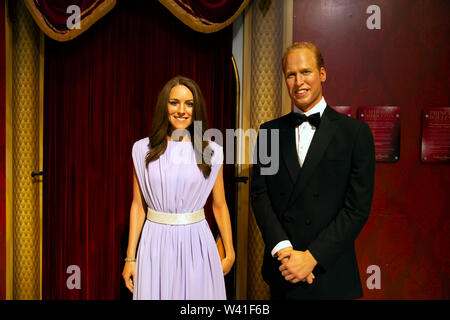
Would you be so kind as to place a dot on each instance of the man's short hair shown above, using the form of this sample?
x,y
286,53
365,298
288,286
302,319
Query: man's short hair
x,y
303,45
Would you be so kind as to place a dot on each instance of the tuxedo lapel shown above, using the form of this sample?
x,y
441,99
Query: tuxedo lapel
x,y
319,144
289,150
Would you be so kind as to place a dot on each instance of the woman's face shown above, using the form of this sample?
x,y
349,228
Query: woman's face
x,y
180,107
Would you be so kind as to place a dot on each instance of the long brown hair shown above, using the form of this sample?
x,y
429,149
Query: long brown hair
x,y
161,127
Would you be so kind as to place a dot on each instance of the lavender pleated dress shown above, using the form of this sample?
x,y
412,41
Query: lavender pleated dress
x,y
177,262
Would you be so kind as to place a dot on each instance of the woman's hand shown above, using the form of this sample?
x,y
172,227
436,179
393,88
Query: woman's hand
x,y
227,264
128,273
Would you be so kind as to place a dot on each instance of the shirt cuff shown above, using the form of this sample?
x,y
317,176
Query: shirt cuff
x,y
281,245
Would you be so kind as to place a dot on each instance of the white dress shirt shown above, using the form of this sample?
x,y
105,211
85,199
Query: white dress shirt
x,y
303,137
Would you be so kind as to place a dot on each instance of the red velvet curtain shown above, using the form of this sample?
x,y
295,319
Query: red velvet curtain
x,y
100,92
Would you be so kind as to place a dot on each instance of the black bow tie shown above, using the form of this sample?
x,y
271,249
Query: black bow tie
x,y
297,119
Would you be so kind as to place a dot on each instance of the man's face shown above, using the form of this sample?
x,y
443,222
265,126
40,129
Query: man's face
x,y
303,78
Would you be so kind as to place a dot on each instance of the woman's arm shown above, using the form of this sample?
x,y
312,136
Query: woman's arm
x,y
222,216
137,218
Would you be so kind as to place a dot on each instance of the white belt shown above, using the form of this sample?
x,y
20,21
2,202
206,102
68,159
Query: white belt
x,y
175,218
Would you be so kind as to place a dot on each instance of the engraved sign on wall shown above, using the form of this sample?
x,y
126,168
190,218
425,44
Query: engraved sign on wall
x,y
435,135
347,110
384,121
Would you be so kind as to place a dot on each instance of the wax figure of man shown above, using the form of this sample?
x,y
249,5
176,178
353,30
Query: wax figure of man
x,y
313,208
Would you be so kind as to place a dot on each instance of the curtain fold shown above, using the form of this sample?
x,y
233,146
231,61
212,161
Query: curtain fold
x,y
206,16
100,93
52,16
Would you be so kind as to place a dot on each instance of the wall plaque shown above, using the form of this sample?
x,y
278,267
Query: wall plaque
x,y
384,121
347,110
435,135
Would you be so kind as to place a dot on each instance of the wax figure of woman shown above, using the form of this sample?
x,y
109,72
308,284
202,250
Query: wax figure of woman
x,y
177,256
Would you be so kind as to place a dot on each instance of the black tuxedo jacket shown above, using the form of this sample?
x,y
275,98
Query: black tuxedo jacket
x,y
321,206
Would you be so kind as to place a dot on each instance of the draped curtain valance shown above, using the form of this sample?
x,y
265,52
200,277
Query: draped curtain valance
x,y
204,16
52,16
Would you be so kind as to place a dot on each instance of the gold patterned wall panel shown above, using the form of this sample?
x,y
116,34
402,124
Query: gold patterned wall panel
x,y
266,104
25,149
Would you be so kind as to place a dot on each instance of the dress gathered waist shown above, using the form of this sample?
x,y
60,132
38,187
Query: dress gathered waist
x,y
175,218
